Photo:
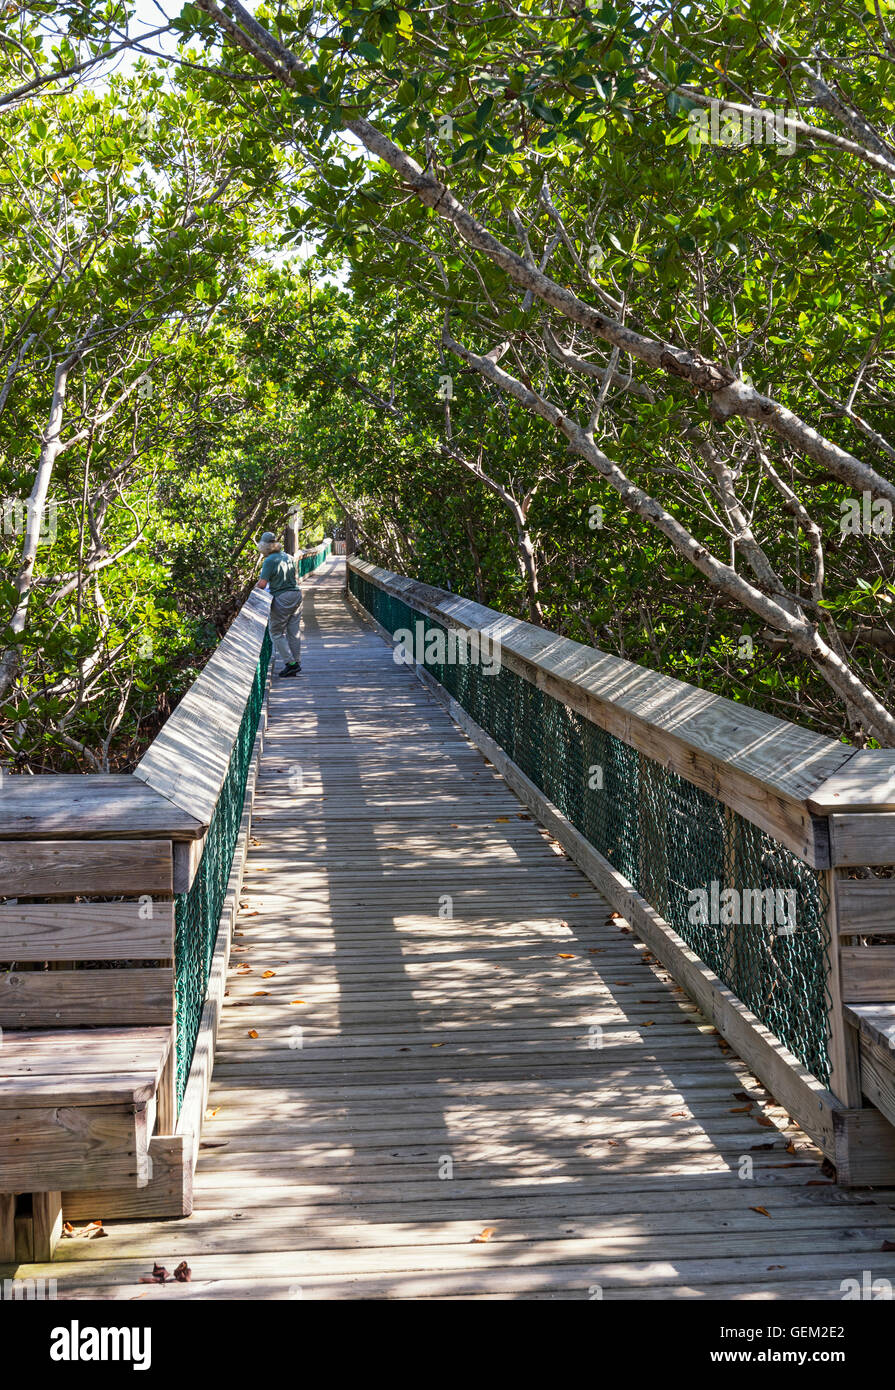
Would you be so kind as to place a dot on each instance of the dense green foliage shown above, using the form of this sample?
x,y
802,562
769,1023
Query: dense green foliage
x,y
600,364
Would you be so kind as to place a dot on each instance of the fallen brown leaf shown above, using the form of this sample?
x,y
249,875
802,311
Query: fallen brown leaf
x,y
183,1274
253,1033
762,1211
484,1235
267,974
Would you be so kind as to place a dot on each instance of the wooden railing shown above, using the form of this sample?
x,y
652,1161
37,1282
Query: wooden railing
x,y
829,806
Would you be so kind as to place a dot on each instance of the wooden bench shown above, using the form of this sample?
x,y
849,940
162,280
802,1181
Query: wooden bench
x,y
86,1063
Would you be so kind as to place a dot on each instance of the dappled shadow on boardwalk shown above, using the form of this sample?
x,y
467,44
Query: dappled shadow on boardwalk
x,y
493,1090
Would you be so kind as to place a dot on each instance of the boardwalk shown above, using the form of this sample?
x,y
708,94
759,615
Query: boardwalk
x,y
445,1070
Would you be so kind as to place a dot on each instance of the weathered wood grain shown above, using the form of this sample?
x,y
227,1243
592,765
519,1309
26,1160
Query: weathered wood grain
x,y
868,974
86,998
865,907
87,931
862,839
42,868
90,806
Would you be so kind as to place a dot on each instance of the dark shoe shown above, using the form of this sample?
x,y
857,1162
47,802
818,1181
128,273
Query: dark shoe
x,y
292,669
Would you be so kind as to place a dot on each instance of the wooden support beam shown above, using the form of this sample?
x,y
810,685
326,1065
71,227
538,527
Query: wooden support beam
x,y
856,840
91,806
865,907
7,1228
168,1193
844,1050
46,1216
86,931
868,974
44,868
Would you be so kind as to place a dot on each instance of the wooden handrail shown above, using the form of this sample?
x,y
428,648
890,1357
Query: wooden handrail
x,y
188,760
770,771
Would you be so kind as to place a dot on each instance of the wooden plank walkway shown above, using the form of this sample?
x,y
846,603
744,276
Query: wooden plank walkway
x,y
445,1070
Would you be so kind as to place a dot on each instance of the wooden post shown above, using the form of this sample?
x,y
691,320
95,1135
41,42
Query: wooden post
x,y
7,1228
47,1224
845,1058
167,1090
292,530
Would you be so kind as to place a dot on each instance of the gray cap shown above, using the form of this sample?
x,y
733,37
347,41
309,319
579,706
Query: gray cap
x,y
266,538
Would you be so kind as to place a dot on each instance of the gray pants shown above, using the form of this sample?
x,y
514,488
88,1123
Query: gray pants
x,y
284,624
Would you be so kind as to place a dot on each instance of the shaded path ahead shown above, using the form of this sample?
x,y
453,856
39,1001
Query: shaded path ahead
x,y
435,1030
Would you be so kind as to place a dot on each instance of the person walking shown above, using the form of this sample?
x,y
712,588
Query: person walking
x,y
279,574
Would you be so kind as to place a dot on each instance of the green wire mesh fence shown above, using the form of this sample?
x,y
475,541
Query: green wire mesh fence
x,y
748,907
316,557
198,912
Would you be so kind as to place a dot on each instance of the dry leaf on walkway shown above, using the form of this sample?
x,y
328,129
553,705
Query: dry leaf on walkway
x,y
183,1274
266,974
762,1211
253,1033
296,1001
565,955
255,993
484,1235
